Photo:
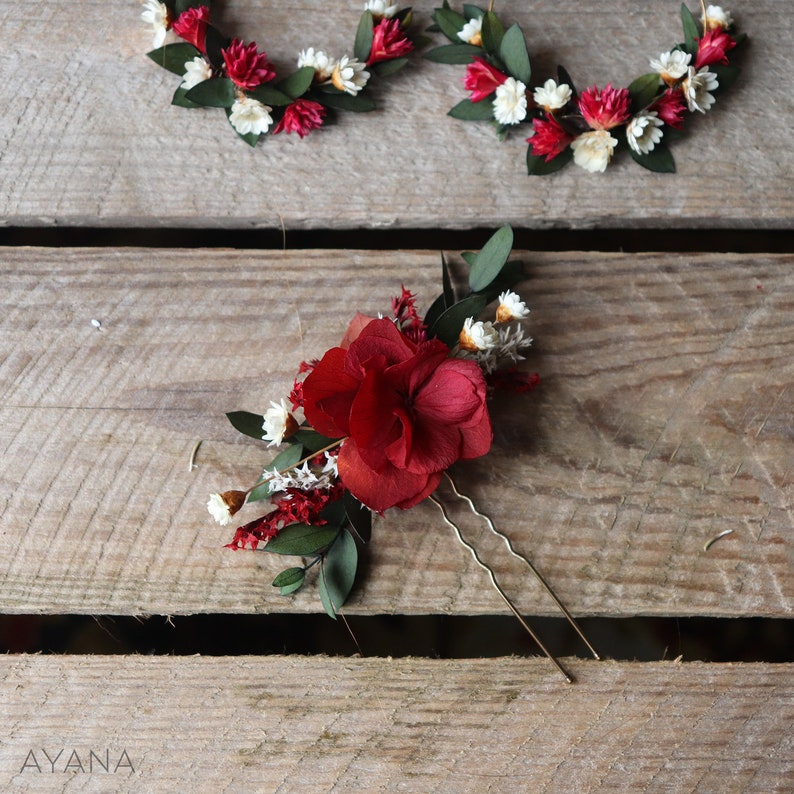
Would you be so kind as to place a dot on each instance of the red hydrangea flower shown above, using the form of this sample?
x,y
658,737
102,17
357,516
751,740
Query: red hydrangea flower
x,y
550,139
671,108
388,42
301,116
407,412
482,79
191,25
245,66
712,48
606,109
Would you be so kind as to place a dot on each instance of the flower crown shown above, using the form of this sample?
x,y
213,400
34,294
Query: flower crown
x,y
227,73
377,421
587,127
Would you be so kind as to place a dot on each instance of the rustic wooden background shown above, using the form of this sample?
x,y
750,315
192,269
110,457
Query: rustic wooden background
x,y
665,416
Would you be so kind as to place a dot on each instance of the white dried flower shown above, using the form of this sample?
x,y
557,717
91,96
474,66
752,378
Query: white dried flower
x,y
672,66
643,133
349,75
196,71
510,105
155,14
381,9
510,307
716,17
593,150
696,89
250,116
551,96
471,32
478,335
277,423
222,506
319,61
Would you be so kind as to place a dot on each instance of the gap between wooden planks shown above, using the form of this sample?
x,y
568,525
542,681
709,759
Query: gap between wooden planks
x,y
664,418
320,724
118,153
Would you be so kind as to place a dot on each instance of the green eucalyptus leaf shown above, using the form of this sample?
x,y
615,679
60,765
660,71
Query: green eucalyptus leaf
x,y
363,46
492,32
450,22
644,89
214,42
466,110
289,576
491,259
537,165
446,282
302,540
448,326
180,100
298,83
359,515
310,439
513,52
726,76
564,78
472,11
247,423
269,96
218,92
334,513
387,68
511,274
470,257
659,160
691,31
437,308
291,588
342,101
338,573
459,54
173,57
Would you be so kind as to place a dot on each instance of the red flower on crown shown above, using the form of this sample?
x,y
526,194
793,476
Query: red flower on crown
x,y
407,412
191,25
245,66
712,48
550,139
301,116
482,79
671,107
606,109
388,41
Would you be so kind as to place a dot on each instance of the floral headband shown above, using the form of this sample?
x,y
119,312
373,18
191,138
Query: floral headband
x,y
376,423
590,127
228,73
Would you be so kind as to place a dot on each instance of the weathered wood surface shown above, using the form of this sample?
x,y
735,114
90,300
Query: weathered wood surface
x,y
664,418
92,139
411,725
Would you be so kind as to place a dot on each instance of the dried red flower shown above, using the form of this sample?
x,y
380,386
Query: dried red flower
x,y
482,79
388,42
712,48
671,108
301,116
245,66
606,109
191,25
406,410
550,139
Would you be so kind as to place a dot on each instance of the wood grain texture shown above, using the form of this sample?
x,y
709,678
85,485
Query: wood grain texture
x,y
664,418
92,140
317,724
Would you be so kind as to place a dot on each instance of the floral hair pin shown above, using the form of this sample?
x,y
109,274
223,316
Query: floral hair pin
x,y
590,127
376,423
228,73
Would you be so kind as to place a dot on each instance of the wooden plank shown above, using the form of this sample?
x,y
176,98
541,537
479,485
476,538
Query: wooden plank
x,y
664,418
411,725
95,141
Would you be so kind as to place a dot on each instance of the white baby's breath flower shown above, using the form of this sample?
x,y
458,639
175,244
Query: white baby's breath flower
x,y
551,96
510,307
672,66
155,14
278,423
696,89
331,465
319,61
510,105
478,335
222,506
471,32
593,150
196,71
381,9
349,75
511,340
643,133
716,17
250,116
